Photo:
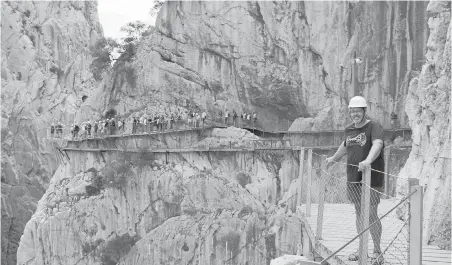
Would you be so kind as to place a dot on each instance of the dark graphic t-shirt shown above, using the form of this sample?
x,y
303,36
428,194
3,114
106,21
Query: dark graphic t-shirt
x,y
359,142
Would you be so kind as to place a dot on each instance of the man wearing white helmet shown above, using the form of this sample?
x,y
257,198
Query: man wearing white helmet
x,y
363,144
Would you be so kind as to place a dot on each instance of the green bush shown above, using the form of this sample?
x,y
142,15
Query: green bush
x,y
117,248
116,172
97,183
56,70
145,158
38,28
102,54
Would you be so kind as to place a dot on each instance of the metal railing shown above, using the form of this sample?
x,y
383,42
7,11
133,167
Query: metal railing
x,y
339,215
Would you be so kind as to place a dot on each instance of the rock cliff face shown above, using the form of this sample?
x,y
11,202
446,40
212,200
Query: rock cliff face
x,y
428,110
199,208
284,60
45,60
281,59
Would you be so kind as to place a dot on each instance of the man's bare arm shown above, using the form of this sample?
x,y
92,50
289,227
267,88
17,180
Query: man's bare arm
x,y
374,152
341,151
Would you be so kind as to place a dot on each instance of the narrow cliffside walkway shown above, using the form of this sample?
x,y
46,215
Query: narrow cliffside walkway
x,y
183,150
339,227
310,139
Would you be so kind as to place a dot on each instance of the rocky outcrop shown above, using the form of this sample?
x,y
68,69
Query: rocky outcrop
x,y
196,207
282,60
428,110
45,62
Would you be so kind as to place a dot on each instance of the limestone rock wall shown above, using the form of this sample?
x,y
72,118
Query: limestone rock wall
x,y
284,60
428,110
281,59
44,71
197,208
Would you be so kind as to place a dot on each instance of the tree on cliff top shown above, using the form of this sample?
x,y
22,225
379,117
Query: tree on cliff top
x,y
107,51
156,7
102,52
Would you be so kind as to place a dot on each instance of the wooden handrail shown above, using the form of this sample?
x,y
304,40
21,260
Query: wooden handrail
x,y
300,176
415,223
321,190
308,184
365,205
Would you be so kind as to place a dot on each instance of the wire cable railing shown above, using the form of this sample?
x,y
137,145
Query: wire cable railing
x,y
341,214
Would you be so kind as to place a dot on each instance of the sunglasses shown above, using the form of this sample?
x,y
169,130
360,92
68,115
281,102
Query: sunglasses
x,y
356,111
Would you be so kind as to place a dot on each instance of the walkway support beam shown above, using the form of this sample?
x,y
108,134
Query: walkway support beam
x,y
300,177
365,204
321,187
415,223
308,184
387,152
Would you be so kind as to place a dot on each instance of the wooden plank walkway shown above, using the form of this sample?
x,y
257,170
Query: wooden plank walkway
x,y
339,228
182,150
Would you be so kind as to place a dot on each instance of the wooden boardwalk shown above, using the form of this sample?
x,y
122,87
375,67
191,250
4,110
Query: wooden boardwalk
x,y
183,150
339,228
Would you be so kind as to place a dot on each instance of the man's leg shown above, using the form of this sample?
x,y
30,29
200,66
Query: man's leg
x,y
355,255
358,222
376,229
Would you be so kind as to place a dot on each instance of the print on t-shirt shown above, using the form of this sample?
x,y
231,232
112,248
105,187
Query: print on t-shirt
x,y
359,139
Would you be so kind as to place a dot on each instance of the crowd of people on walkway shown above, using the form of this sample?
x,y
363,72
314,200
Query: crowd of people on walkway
x,y
147,122
246,118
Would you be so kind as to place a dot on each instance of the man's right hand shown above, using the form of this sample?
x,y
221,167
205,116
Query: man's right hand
x,y
329,161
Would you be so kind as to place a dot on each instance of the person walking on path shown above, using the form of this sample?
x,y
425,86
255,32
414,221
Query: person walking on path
x,y
76,130
52,130
120,126
234,117
363,144
59,129
226,116
96,127
254,119
134,124
88,128
203,116
112,126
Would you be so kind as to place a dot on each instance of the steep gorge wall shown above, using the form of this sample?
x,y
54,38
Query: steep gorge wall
x,y
198,207
45,72
428,110
284,60
171,208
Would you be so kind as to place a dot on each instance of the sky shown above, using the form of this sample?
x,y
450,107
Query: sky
x,y
115,14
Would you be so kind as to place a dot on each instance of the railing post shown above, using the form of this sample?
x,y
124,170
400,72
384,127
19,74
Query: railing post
x,y
307,243
365,204
387,152
415,223
318,234
308,184
300,176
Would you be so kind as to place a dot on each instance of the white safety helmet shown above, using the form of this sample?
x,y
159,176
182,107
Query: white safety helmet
x,y
357,102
